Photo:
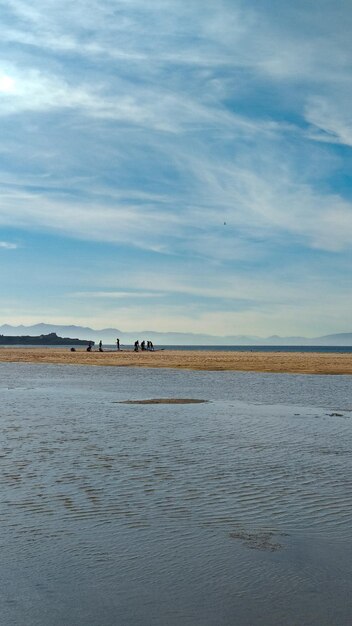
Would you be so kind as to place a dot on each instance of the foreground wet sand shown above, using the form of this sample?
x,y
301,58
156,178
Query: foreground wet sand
x,y
274,362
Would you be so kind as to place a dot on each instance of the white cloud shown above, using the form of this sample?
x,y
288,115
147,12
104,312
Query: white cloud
x,y
141,105
7,84
114,294
332,117
265,200
8,245
168,119
143,227
269,206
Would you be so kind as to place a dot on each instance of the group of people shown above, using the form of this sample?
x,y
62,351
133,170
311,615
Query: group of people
x,y
143,345
100,346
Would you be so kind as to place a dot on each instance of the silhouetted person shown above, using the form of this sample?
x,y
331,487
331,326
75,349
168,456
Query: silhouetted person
x,y
117,344
143,345
101,346
151,347
89,349
136,346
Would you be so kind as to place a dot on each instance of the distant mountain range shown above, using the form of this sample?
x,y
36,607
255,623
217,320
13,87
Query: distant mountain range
x,y
109,335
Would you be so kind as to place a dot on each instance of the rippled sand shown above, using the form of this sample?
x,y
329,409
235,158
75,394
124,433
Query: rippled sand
x,y
274,362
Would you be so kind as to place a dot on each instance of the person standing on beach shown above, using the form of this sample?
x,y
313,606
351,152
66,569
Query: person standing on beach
x,y
136,346
100,346
117,344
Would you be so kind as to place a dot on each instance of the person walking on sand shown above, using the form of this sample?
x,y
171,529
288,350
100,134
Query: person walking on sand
x,y
117,344
100,346
143,345
136,346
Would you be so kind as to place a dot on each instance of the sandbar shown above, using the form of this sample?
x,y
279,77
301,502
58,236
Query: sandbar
x,y
251,361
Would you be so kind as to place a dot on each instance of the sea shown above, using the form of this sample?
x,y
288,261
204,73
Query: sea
x,y
244,348
231,511
329,349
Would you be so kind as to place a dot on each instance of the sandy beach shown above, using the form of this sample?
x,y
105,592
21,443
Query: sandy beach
x,y
274,362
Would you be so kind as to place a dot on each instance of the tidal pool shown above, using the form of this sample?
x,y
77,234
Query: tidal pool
x,y
232,511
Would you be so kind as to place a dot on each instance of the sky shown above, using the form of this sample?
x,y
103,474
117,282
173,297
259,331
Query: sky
x,y
177,165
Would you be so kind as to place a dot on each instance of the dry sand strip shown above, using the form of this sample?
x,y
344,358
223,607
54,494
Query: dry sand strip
x,y
274,362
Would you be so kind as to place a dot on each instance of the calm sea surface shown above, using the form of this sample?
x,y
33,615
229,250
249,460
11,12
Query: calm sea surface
x,y
233,512
328,349
263,348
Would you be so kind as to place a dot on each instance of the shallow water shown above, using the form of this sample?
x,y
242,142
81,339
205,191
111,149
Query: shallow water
x,y
235,511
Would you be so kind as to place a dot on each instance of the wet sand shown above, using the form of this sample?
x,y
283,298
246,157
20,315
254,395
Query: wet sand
x,y
273,362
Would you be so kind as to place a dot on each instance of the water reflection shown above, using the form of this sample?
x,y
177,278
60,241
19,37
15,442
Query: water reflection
x,y
173,510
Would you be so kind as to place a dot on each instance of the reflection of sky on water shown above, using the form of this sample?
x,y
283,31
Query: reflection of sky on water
x,y
170,514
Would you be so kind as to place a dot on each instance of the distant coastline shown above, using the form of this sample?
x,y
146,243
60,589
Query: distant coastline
x,y
51,339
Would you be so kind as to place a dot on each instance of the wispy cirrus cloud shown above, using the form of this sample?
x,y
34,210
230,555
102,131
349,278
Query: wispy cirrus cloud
x,y
181,134
114,294
226,203
8,245
331,118
125,223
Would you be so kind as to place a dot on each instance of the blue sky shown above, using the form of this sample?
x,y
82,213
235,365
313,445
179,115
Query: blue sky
x,y
177,165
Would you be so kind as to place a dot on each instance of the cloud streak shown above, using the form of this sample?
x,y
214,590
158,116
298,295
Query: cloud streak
x,y
208,141
8,245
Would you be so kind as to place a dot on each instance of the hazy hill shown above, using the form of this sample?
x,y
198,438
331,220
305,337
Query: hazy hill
x,y
109,335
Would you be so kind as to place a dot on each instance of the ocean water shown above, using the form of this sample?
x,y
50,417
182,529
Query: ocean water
x,y
235,511
129,347
321,349
329,349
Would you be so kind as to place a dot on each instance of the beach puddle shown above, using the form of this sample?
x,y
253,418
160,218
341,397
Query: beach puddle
x,y
204,513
